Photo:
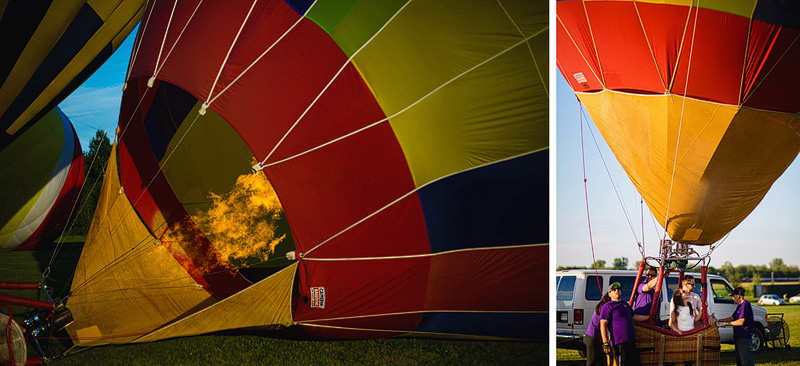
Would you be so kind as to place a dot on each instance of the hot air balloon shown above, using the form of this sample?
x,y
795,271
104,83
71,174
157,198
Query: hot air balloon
x,y
694,99
700,120
361,169
50,48
42,174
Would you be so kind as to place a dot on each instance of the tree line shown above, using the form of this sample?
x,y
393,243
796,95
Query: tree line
x,y
735,274
94,162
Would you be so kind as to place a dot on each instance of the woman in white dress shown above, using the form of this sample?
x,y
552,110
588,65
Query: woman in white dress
x,y
683,317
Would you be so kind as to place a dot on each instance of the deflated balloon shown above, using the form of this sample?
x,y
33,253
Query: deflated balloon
x,y
42,174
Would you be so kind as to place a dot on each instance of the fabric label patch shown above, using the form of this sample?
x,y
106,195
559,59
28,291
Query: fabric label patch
x,y
580,78
318,297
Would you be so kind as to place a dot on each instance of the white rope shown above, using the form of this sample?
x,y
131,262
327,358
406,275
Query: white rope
x,y
680,49
650,47
602,78
753,90
211,100
579,51
407,107
310,322
530,50
166,32
390,204
158,70
424,255
330,82
139,43
680,125
235,39
613,179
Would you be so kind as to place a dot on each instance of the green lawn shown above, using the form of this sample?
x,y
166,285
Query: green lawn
x,y
264,348
769,356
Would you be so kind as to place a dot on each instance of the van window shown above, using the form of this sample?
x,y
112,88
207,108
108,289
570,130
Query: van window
x,y
721,291
626,283
672,284
565,288
592,291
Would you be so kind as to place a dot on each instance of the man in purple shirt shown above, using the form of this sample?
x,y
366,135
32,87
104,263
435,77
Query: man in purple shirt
x,y
592,341
616,328
742,322
645,293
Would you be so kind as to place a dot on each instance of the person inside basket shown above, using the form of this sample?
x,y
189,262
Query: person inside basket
x,y
687,285
616,328
683,316
645,292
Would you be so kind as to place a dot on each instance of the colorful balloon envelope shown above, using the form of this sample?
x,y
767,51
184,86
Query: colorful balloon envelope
x,y
42,174
400,184
694,98
50,48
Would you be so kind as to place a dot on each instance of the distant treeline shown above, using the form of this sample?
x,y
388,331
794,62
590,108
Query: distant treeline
x,y
94,162
756,274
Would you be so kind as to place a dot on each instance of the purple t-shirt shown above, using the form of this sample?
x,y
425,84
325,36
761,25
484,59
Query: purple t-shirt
x,y
619,315
743,310
644,301
594,327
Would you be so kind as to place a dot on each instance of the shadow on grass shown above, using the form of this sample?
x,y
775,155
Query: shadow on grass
x,y
63,263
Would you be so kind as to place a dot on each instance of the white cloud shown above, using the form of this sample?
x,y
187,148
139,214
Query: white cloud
x,y
91,108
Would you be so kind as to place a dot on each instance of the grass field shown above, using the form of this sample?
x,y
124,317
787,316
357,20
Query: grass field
x,y
284,347
769,356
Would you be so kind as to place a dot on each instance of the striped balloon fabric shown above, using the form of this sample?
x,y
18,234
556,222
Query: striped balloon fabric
x,y
42,174
50,48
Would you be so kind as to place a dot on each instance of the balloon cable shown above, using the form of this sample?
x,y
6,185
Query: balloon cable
x,y
680,125
612,178
138,44
586,196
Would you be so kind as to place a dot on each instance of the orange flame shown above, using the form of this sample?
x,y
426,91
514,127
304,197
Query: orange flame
x,y
240,223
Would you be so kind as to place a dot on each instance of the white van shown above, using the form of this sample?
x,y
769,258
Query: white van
x,y
577,294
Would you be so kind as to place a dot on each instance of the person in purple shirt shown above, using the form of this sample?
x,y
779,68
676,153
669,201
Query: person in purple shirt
x,y
645,293
742,322
616,328
592,341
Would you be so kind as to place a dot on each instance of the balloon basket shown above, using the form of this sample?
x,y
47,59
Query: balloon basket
x,y
659,346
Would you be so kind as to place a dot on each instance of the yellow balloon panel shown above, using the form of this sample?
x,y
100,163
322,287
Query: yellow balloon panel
x,y
708,164
27,166
460,102
130,285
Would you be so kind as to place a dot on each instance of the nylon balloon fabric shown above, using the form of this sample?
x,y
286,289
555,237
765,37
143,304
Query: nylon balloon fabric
x,y
694,98
399,183
43,174
50,48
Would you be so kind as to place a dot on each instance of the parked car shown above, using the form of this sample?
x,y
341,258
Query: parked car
x,y
577,293
770,299
795,298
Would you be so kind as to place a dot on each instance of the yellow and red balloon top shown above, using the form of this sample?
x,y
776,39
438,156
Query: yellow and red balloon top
x,y
693,97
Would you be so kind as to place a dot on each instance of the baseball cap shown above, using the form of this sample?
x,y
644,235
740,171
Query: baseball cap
x,y
615,284
738,291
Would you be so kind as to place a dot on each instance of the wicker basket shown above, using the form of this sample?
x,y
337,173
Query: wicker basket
x,y
659,346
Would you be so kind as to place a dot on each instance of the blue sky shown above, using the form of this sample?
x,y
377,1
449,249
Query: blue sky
x,y
771,231
95,104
